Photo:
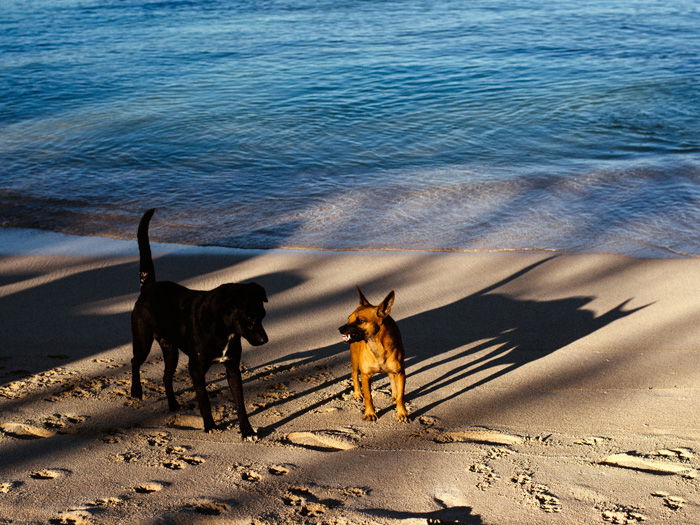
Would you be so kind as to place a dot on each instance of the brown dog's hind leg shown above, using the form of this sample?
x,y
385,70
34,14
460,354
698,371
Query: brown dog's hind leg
x,y
398,385
370,414
170,356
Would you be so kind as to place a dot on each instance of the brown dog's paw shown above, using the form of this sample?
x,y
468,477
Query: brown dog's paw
x,y
403,418
370,417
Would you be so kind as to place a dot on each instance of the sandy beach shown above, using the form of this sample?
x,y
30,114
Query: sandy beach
x,y
542,388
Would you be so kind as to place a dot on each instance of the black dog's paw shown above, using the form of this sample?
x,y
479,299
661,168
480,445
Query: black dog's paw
x,y
248,434
210,427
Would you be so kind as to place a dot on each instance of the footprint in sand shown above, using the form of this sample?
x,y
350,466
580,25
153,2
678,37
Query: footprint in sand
x,y
210,508
489,437
355,492
325,440
159,439
193,460
429,421
278,470
672,502
684,454
8,486
636,461
61,421
54,422
46,474
547,501
71,518
72,418
149,487
304,502
498,452
25,431
251,475
130,456
106,502
619,514
488,476
174,464
114,436
178,449
593,441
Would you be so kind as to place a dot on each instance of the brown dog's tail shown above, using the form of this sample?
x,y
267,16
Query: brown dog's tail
x,y
147,272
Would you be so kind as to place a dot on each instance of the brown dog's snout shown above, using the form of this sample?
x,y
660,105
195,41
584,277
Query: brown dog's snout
x,y
351,333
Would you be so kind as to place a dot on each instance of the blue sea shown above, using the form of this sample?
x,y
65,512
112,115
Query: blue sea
x,y
571,126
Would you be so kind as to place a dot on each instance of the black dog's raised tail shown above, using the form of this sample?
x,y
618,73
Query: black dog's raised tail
x,y
147,272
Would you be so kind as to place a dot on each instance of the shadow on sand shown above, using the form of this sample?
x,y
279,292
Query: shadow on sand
x,y
467,343
499,332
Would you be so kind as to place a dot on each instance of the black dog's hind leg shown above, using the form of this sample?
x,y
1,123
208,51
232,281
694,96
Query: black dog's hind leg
x,y
170,356
235,383
197,373
142,342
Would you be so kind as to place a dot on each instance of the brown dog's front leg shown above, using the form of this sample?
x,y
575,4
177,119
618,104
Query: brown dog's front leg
x,y
398,385
235,383
370,414
200,388
355,373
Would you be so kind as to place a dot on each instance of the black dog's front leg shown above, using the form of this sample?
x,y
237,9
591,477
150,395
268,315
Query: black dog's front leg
x,y
197,372
235,383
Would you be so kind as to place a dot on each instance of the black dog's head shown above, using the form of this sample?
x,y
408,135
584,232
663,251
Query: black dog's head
x,y
366,320
243,311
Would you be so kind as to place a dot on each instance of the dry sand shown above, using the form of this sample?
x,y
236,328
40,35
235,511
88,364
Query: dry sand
x,y
543,389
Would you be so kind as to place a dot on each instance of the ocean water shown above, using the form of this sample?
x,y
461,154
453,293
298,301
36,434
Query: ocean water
x,y
571,126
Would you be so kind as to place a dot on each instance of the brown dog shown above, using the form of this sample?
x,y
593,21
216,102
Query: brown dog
x,y
375,346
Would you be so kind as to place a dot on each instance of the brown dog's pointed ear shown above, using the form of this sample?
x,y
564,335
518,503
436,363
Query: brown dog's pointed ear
x,y
385,307
363,299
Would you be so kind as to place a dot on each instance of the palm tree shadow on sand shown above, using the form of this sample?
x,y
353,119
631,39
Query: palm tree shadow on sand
x,y
511,333
497,332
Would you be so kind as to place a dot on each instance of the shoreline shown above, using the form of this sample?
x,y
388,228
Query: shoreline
x,y
14,240
552,389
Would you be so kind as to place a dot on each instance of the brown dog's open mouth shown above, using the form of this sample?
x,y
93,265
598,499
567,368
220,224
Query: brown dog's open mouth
x,y
345,337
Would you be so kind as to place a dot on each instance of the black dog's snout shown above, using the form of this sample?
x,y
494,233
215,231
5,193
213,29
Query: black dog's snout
x,y
259,339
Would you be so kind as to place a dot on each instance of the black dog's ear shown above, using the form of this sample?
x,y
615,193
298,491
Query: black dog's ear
x,y
385,307
363,299
260,292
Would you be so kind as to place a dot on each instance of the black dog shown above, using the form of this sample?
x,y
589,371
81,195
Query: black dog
x,y
205,325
